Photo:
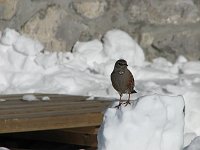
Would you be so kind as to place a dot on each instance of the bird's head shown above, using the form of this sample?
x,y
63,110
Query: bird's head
x,y
121,64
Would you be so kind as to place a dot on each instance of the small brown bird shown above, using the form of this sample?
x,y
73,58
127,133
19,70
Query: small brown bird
x,y
122,80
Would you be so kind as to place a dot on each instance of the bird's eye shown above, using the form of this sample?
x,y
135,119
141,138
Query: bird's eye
x,y
120,64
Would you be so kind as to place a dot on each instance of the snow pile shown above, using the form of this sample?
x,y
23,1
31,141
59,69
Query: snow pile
x,y
89,53
27,67
3,148
46,98
29,97
154,122
118,44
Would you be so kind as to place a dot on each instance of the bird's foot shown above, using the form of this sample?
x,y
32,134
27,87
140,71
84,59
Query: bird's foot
x,y
127,103
118,106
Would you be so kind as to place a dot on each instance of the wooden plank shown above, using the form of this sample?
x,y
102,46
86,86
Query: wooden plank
x,y
45,110
51,122
86,130
39,95
60,112
48,107
20,104
36,114
60,136
75,138
86,136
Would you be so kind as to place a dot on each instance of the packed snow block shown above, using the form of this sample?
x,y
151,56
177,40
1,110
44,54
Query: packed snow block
x,y
9,36
28,46
118,44
152,122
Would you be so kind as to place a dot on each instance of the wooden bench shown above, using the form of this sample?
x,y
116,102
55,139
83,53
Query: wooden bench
x,y
78,117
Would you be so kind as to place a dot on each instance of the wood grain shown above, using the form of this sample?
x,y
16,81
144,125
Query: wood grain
x,y
60,112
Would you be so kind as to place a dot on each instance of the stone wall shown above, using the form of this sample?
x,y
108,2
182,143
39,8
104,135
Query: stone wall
x,y
165,28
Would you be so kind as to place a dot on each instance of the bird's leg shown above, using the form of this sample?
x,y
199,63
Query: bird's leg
x,y
120,102
128,101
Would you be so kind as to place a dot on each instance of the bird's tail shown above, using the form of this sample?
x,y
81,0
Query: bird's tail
x,y
133,91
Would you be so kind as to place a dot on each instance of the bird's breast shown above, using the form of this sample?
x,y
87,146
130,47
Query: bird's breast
x,y
119,81
121,72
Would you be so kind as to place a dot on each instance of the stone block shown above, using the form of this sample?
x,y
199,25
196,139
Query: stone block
x,y
162,12
90,8
7,9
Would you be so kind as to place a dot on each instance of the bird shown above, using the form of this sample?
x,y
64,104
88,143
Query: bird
x,y
122,80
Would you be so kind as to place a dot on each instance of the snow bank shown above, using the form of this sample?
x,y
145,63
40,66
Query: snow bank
x,y
89,52
192,67
29,97
118,44
3,148
25,68
27,46
153,122
9,36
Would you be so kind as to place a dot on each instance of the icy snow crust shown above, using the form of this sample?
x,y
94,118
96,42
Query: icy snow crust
x,y
24,68
152,123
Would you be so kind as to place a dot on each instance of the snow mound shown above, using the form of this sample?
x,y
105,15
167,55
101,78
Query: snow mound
x,y
46,98
89,52
29,97
28,46
9,36
118,44
153,122
192,67
3,148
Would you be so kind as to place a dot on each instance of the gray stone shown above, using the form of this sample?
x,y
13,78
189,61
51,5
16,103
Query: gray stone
x,y
26,9
90,8
54,28
172,41
7,9
70,30
162,12
165,28
43,27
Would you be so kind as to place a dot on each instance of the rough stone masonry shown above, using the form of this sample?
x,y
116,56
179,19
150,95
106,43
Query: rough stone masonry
x,y
163,28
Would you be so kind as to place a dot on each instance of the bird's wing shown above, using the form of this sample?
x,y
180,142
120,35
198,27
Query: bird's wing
x,y
131,82
115,81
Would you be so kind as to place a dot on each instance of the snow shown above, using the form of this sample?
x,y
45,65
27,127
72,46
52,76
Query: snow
x,y
45,98
27,67
118,44
30,47
9,36
89,53
2,100
153,122
192,67
29,97
3,148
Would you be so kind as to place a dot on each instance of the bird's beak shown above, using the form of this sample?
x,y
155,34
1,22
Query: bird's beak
x,y
126,65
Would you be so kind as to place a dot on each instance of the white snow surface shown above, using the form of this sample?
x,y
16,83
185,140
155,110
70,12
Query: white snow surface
x,y
46,98
25,68
3,148
153,122
29,97
118,44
